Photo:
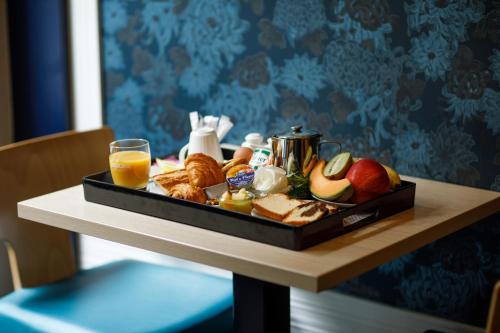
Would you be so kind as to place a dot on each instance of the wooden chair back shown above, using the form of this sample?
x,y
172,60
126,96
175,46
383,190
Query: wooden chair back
x,y
38,166
493,325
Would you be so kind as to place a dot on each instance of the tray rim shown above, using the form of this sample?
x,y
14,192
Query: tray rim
x,y
218,210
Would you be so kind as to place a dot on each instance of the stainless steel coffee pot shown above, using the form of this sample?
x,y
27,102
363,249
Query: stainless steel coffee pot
x,y
294,151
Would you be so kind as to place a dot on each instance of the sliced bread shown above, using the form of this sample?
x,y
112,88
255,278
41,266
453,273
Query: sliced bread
x,y
306,213
275,206
332,208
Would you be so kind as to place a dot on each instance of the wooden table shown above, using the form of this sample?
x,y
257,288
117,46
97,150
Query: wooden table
x,y
263,273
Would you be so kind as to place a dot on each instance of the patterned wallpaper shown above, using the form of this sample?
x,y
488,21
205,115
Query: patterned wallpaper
x,y
415,84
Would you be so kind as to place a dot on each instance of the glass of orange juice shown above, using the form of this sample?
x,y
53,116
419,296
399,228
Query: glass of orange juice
x,y
130,161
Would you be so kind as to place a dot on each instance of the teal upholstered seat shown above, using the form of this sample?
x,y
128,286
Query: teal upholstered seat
x,y
125,296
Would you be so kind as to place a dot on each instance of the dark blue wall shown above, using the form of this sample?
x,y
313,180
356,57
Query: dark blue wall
x,y
39,67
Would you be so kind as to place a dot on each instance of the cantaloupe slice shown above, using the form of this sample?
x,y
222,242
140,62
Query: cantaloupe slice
x,y
326,189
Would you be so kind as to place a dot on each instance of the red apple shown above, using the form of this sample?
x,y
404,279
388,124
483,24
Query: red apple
x,y
368,179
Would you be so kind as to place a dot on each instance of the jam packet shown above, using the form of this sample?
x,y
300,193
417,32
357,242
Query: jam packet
x,y
240,176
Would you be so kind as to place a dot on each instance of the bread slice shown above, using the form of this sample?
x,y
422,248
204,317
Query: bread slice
x,y
331,208
306,213
275,206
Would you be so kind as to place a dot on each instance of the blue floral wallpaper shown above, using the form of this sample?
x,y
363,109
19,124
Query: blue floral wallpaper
x,y
415,84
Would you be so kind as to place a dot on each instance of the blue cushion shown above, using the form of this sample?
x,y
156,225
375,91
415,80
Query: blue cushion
x,y
125,296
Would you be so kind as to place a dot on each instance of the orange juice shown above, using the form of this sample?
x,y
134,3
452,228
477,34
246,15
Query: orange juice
x,y
130,168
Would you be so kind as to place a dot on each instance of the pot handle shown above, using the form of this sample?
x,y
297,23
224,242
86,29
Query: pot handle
x,y
183,153
332,142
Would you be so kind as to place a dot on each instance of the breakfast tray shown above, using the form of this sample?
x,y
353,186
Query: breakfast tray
x,y
99,188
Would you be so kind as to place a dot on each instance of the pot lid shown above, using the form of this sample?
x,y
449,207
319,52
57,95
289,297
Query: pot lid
x,y
296,132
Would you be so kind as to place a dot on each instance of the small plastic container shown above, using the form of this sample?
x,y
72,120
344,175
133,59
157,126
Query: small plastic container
x,y
260,158
253,140
240,176
226,201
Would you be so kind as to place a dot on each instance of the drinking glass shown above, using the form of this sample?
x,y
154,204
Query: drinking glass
x,y
130,161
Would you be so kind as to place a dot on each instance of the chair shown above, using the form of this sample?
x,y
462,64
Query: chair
x,y
493,323
51,295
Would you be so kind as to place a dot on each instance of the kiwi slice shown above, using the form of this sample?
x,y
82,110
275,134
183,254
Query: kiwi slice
x,y
338,166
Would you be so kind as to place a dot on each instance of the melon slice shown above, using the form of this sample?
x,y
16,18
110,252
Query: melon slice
x,y
338,166
327,189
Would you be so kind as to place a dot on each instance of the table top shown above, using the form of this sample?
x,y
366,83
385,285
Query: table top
x,y
440,209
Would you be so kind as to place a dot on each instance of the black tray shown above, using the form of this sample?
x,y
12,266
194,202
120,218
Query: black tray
x,y
99,188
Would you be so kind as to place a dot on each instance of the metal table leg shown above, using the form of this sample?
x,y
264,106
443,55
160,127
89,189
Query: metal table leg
x,y
259,306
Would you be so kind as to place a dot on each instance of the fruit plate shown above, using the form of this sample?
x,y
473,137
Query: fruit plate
x,y
340,204
99,188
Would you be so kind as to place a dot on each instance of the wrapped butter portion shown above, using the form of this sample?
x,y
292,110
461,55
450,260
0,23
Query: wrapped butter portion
x,y
270,179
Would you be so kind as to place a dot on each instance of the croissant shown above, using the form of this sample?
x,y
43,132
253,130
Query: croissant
x,y
231,163
188,192
169,179
203,170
